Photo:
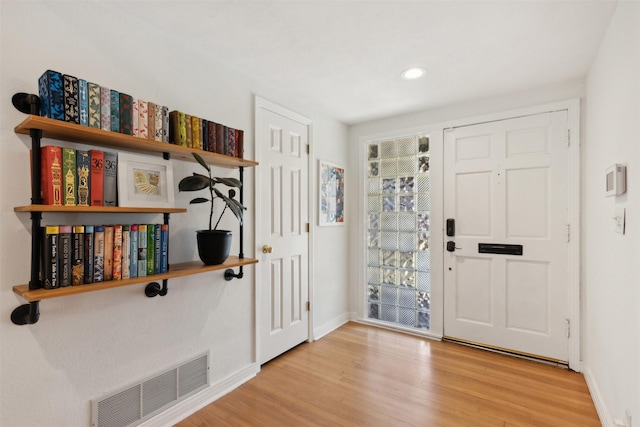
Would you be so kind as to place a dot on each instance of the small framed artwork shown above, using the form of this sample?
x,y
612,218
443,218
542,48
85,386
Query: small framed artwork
x,y
144,181
331,206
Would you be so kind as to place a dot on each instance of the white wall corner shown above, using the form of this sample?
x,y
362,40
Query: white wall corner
x,y
330,326
603,413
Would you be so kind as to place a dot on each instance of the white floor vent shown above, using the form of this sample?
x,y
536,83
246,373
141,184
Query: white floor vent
x,y
136,403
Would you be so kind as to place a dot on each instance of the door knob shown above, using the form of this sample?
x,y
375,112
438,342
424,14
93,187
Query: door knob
x,y
266,249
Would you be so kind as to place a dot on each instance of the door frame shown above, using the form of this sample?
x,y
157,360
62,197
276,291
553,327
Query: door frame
x,y
261,104
436,136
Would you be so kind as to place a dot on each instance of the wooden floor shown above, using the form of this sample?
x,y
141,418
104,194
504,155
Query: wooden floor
x,y
364,376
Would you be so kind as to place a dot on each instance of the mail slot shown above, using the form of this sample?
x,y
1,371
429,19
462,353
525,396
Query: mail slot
x,y
493,248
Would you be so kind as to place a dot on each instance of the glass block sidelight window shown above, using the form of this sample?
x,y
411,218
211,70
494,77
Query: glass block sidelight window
x,y
398,210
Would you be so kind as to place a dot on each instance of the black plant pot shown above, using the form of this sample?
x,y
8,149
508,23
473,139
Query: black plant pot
x,y
214,246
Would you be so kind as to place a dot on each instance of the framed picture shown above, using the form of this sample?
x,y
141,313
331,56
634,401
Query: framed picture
x,y
331,192
144,181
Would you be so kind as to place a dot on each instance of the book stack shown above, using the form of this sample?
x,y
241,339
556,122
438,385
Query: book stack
x,y
77,177
194,132
85,254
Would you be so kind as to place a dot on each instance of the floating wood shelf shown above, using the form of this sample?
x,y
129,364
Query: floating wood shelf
x,y
95,209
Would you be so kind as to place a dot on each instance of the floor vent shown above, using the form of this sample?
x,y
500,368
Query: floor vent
x,y
136,403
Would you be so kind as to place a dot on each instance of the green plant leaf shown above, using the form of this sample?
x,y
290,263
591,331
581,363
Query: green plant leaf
x,y
199,200
200,160
235,207
229,182
193,183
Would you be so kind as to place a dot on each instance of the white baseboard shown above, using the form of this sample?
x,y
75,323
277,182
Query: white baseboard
x,y
330,326
605,417
183,409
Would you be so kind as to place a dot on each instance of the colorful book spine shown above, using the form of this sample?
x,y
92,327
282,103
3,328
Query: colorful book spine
x,y
158,123
50,257
205,135
98,254
114,103
110,178
142,250
126,251
174,127
151,117
66,255
151,237
240,143
77,265
71,113
126,114
105,108
165,123
219,138
232,143
108,253
143,119
83,102
183,128
134,251
96,179
69,176
83,168
117,252
51,91
88,254
94,105
212,137
164,251
157,249
51,175
195,132
189,124
135,119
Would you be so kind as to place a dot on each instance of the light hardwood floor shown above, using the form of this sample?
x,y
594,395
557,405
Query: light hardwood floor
x,y
364,376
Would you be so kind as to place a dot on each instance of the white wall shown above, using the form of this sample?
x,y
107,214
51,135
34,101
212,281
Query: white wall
x,y
90,344
610,273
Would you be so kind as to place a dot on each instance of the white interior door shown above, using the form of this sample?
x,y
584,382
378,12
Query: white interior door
x,y
506,184
283,240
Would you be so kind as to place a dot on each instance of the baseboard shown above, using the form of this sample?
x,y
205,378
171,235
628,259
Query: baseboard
x,y
605,417
330,326
198,401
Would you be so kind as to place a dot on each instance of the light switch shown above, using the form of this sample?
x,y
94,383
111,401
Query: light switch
x,y
619,220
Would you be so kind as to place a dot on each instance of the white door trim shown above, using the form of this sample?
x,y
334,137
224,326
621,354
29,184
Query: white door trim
x,y
259,105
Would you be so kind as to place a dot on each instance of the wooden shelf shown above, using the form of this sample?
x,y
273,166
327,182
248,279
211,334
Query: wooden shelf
x,y
56,129
177,270
95,209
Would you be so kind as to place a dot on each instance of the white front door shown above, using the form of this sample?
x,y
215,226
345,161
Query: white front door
x,y
506,189
283,240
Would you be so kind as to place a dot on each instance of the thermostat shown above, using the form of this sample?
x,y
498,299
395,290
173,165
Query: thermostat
x,y
616,180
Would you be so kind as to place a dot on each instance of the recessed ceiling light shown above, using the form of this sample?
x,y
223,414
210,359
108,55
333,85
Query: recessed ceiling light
x,y
413,73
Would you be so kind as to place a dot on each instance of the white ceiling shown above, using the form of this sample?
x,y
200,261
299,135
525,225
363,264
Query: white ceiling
x,y
346,56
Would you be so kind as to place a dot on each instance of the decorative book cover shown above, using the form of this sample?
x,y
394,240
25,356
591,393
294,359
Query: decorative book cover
x,y
164,248
69,176
96,178
240,143
165,123
50,89
151,245
117,252
219,138
108,253
71,113
232,143
205,135
105,108
126,114
225,140
88,254
65,255
115,110
83,102
51,175
134,251
157,249
188,125
174,127
98,254
158,123
110,178
183,128
126,251
83,167
50,257
195,132
94,105
77,264
212,136
143,119
151,117
135,119
142,250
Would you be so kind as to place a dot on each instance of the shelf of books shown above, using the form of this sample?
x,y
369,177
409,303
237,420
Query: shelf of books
x,y
176,270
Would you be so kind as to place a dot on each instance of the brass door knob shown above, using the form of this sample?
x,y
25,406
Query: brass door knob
x,y
266,249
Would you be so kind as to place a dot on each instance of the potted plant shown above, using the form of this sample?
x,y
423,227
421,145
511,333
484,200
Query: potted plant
x,y
213,244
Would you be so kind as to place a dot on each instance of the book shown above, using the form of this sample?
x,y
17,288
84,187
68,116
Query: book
x,y
114,101
225,140
151,245
88,254
108,253
157,249
231,150
143,119
142,250
165,123
205,135
94,104
126,114
151,117
164,248
219,138
77,258
105,108
96,178
240,143
126,251
212,137
183,128
188,126
135,118
83,102
51,175
83,167
50,257
134,250
195,132
174,127
110,179
117,252
158,123
69,176
71,113
65,255
98,254
50,89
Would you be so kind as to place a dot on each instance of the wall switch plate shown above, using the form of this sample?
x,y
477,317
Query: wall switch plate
x,y
619,220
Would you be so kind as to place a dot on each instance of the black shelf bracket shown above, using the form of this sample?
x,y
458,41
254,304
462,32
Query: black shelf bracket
x,y
26,314
153,289
229,274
